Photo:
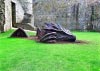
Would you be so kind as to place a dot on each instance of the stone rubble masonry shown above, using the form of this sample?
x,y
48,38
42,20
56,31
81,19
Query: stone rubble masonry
x,y
8,15
2,15
23,12
28,12
72,14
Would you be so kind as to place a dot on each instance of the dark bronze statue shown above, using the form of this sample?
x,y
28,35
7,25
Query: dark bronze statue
x,y
19,33
51,33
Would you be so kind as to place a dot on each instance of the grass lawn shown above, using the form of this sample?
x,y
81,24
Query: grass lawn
x,y
18,54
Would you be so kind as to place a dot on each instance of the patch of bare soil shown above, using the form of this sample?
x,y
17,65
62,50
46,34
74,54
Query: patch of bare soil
x,y
60,42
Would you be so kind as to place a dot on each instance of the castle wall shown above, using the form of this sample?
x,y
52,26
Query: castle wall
x,y
19,11
2,15
72,14
23,11
8,15
28,12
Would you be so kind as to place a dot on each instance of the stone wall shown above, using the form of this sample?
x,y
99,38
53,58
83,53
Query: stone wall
x,y
2,15
72,14
23,13
8,15
19,11
28,12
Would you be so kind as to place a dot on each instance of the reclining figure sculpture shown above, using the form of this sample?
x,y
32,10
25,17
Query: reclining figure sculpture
x,y
52,33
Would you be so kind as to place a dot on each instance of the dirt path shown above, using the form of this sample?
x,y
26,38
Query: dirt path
x,y
60,42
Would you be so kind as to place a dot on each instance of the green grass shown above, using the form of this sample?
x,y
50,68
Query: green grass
x,y
18,54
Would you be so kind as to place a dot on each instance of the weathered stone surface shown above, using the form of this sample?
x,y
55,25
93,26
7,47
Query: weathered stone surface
x,y
28,12
19,11
23,13
54,32
25,26
2,15
72,14
19,33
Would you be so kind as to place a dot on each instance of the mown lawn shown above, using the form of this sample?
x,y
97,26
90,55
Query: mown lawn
x,y
18,54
